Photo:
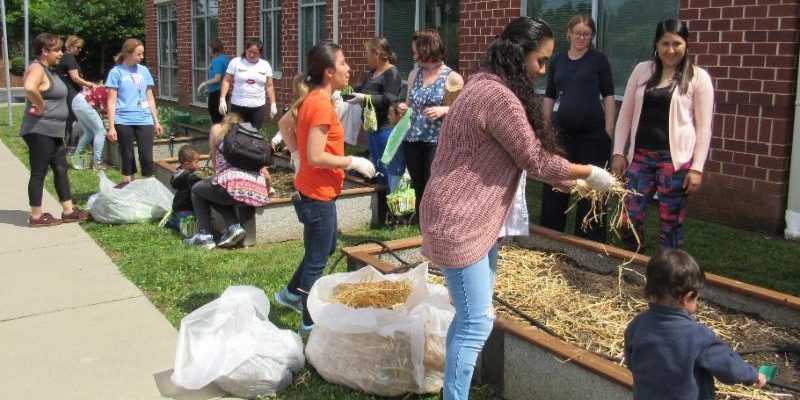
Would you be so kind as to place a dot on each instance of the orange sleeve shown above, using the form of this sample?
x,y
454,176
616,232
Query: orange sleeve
x,y
320,112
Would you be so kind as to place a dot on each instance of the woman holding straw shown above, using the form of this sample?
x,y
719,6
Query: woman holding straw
x,y
318,139
468,199
666,118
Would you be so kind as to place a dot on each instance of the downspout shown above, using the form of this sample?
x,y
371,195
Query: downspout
x,y
239,26
336,21
793,203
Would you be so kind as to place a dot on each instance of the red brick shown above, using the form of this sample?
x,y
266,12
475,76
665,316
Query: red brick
x,y
732,36
723,24
755,36
780,150
721,3
787,48
785,74
748,110
740,72
744,159
765,48
790,23
732,169
710,13
732,12
765,24
769,188
698,25
784,10
783,100
779,176
782,36
755,173
741,48
755,11
730,61
765,131
772,162
741,24
781,132
726,84
707,60
689,14
734,145
722,156
699,3
714,71
749,85
713,166
757,148
719,48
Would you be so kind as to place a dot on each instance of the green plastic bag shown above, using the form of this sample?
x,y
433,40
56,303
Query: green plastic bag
x,y
370,118
402,201
396,137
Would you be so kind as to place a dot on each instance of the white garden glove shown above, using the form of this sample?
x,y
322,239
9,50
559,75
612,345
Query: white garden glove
x,y
600,179
202,88
358,98
362,166
273,110
295,161
223,107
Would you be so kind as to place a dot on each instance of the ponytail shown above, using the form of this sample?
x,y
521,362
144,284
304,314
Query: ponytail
x,y
301,88
392,58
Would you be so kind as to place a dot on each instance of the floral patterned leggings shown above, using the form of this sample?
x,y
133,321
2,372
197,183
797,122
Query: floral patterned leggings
x,y
650,171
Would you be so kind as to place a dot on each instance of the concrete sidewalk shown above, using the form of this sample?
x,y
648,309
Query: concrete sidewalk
x,y
71,325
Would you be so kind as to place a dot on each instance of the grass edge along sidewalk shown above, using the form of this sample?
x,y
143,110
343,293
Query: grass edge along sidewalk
x,y
178,280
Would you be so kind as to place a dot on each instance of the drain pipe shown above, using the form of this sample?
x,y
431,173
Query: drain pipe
x,y
239,26
336,21
793,203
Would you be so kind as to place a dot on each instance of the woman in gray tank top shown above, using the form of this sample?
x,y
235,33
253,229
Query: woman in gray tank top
x,y
43,131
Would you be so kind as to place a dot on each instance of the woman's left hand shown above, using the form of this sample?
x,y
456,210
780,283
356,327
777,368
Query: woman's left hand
x,y
159,130
692,181
434,113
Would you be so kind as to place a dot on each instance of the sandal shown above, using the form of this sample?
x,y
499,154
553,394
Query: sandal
x,y
44,220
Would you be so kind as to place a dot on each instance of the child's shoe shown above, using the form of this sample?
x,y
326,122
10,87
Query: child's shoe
x,y
232,236
203,240
289,300
305,330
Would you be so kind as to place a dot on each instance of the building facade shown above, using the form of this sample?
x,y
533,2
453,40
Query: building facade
x,y
750,47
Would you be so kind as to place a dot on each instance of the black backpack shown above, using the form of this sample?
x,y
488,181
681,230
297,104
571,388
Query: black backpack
x,y
246,149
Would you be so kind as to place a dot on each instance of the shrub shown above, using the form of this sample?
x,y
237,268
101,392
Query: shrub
x,y
18,65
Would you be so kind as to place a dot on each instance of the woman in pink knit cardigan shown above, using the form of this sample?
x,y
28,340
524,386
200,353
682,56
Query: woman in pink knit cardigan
x,y
665,120
493,132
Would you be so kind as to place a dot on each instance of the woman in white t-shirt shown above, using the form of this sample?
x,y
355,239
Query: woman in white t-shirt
x,y
252,83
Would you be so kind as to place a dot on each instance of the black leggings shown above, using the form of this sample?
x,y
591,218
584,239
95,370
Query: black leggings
x,y
213,107
46,152
419,157
253,115
144,136
206,195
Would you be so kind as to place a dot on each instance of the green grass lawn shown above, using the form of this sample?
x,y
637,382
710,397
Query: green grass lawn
x,y
178,279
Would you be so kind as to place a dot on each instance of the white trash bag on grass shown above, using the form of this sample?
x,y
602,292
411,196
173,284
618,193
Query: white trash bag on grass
x,y
231,342
387,352
141,200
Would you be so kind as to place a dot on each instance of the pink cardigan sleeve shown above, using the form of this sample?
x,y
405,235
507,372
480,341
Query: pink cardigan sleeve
x,y
703,115
622,131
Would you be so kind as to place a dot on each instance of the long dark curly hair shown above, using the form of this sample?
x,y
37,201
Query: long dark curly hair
x,y
506,59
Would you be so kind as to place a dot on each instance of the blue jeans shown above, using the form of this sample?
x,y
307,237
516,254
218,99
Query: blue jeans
x,y
319,242
471,290
175,219
92,128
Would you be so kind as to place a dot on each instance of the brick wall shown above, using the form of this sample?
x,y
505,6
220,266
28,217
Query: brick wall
x,y
357,25
481,20
151,42
750,49
185,42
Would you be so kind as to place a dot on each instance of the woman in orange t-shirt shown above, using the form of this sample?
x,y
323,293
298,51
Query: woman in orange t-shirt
x,y
319,141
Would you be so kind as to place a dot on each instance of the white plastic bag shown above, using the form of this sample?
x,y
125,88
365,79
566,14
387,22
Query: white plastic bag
x,y
350,116
381,351
141,200
231,342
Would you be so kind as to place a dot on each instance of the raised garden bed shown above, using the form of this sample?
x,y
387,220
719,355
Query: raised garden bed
x,y
165,147
516,351
357,206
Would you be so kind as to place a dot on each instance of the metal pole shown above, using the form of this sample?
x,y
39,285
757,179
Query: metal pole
x,y
5,60
27,32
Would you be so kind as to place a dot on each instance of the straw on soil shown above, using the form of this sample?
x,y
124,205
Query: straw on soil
x,y
600,202
533,282
374,294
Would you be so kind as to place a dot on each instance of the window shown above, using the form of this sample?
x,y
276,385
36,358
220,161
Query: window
x,y
397,22
271,32
204,31
167,52
312,27
625,28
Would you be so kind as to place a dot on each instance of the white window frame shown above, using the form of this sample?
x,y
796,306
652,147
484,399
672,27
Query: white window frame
x,y
205,17
269,7
165,81
314,5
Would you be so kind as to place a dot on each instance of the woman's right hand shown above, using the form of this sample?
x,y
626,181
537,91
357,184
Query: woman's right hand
x,y
600,180
619,165
402,108
36,110
112,134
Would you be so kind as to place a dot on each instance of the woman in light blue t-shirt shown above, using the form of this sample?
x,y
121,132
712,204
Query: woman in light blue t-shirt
x,y
132,112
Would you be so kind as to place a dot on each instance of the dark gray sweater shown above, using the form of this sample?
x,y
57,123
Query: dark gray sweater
x,y
674,357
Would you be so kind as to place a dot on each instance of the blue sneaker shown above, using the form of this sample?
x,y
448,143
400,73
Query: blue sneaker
x,y
289,300
203,240
232,236
305,330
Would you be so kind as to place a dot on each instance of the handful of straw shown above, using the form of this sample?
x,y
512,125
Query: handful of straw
x,y
600,202
382,294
